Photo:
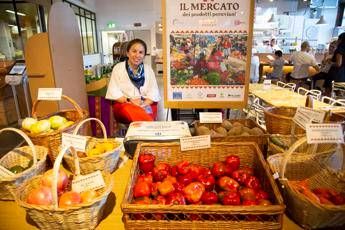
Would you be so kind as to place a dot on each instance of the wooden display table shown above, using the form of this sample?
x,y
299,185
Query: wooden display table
x,y
282,97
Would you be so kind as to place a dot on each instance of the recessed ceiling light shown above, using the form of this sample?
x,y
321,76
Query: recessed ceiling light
x,y
12,12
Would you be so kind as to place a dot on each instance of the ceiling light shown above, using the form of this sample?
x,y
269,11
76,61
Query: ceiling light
x,y
12,12
321,21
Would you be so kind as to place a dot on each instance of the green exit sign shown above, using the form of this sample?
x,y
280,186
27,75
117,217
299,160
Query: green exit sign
x,y
111,25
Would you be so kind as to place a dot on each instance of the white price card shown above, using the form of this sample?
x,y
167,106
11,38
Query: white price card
x,y
49,94
13,79
324,133
197,142
92,181
301,119
211,117
315,115
4,172
77,141
267,84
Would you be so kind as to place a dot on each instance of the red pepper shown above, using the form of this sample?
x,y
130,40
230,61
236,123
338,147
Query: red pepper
x,y
178,187
253,182
228,184
249,202
142,200
185,179
175,198
166,187
160,200
247,194
173,171
161,171
141,189
145,178
218,169
261,195
208,181
231,198
233,161
240,176
195,170
209,198
154,189
146,162
193,192
183,167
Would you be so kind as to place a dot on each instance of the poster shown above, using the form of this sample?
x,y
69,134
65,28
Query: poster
x,y
207,52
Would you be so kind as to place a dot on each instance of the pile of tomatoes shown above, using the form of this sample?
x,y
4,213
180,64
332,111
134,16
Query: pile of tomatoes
x,y
224,182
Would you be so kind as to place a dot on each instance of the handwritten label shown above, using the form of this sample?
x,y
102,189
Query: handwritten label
x,y
197,142
49,94
315,115
267,84
301,119
211,117
4,172
92,181
13,79
324,133
77,141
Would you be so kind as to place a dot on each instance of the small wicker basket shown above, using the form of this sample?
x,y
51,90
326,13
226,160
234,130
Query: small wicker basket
x,y
279,121
52,140
106,162
82,216
22,157
310,166
204,216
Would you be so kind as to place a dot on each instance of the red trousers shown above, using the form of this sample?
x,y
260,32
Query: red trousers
x,y
128,112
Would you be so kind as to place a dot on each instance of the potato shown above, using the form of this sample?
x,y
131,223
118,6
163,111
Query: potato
x,y
245,134
256,131
221,130
203,130
246,129
235,131
237,124
227,124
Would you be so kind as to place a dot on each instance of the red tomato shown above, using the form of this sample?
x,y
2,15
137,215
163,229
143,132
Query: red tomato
x,y
88,196
228,184
185,179
141,189
178,187
40,196
208,181
183,167
173,171
195,170
261,195
161,171
247,194
249,202
69,199
62,181
253,182
146,178
175,198
231,198
233,161
209,198
218,169
193,192
240,176
146,162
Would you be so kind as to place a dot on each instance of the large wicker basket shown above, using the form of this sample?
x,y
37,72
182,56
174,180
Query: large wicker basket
x,y
52,140
106,162
82,216
260,140
279,121
208,216
22,157
312,167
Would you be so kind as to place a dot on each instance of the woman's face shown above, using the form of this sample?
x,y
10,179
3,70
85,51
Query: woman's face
x,y
136,55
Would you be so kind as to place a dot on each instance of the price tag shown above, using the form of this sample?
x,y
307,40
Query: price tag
x,y
13,79
4,172
92,181
197,142
301,119
211,117
324,133
77,141
315,115
267,84
49,94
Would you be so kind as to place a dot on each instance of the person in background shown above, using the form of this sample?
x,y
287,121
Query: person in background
x,y
277,64
301,61
254,67
337,71
326,65
273,45
133,86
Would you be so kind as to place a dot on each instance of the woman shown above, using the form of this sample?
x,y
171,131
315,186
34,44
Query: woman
x,y
133,86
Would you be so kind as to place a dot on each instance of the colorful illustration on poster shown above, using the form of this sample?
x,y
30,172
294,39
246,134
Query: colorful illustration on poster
x,y
208,59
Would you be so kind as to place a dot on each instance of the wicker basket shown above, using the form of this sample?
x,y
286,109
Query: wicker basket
x,y
106,162
52,140
21,156
297,167
279,121
82,216
260,140
207,216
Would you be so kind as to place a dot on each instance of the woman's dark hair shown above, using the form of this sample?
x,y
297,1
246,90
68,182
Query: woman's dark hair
x,y
341,38
135,41
279,53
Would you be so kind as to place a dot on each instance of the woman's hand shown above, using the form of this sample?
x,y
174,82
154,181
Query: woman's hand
x,y
136,101
147,101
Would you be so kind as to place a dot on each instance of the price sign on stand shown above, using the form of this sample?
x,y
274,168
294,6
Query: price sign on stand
x,y
306,115
77,141
211,117
197,142
49,94
92,181
324,133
